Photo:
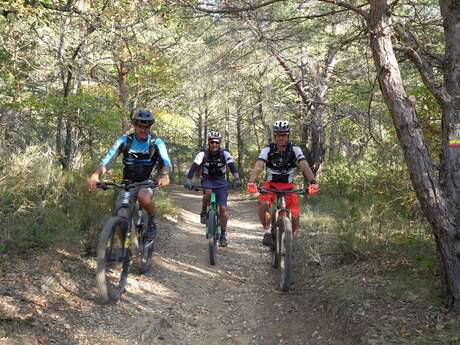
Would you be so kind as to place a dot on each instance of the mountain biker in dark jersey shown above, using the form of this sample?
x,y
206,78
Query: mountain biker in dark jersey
x,y
280,159
141,151
213,163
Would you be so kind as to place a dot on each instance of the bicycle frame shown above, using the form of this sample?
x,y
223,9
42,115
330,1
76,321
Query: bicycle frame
x,y
282,247
212,205
213,227
280,208
129,205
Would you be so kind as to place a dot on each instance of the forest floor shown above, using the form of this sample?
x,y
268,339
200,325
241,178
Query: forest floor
x,y
50,297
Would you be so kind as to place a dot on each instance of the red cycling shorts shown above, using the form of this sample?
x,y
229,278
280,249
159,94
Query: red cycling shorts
x,y
292,201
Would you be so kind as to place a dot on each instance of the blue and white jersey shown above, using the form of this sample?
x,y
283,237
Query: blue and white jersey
x,y
139,157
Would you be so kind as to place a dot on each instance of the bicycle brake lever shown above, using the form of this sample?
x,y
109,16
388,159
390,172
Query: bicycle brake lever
x,y
102,185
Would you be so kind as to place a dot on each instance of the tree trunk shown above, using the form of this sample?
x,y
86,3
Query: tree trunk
x,y
123,95
227,129
450,10
239,141
206,116
436,203
200,130
256,134
260,109
62,74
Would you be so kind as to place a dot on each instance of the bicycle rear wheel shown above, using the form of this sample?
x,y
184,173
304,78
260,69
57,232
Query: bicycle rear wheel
x,y
286,249
212,236
112,261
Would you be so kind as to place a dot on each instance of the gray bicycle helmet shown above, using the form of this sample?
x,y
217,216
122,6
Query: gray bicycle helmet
x,y
144,115
281,127
214,135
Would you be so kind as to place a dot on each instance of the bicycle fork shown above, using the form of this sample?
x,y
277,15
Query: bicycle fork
x,y
212,204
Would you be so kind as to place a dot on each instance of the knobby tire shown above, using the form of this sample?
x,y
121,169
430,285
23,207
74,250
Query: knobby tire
x,y
145,256
212,236
286,251
275,245
112,269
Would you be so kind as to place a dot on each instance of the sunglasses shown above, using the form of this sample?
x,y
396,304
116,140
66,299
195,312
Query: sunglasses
x,y
143,125
214,142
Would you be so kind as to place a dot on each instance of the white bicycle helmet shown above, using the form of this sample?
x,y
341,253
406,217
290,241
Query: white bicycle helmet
x,y
281,127
214,135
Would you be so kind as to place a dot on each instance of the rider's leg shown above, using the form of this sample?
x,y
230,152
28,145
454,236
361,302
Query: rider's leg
x,y
295,223
206,200
221,200
223,214
148,204
204,205
223,217
265,219
292,203
264,214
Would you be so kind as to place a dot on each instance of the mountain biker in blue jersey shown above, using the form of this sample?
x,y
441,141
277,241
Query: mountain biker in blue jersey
x,y
213,162
141,151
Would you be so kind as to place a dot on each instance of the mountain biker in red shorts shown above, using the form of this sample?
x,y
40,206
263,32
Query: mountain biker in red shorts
x,y
280,159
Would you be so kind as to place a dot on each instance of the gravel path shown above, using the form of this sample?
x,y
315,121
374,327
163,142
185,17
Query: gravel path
x,y
185,301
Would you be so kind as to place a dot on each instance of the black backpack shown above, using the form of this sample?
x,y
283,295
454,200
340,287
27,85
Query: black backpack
x,y
206,157
129,142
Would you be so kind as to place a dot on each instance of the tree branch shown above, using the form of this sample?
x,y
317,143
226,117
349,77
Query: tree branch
x,y
356,9
414,51
234,9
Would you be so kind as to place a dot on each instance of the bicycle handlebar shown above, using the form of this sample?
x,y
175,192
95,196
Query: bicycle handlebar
x,y
126,186
262,190
198,188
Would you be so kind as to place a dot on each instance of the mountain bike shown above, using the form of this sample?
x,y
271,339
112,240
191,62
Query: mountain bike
x,y
212,225
283,240
122,238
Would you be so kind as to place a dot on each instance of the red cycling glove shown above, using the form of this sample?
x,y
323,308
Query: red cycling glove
x,y
313,189
252,187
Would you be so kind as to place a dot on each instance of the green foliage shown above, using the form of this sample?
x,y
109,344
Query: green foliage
x,y
32,189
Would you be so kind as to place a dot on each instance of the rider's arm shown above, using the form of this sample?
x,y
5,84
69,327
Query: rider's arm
x,y
303,164
165,163
258,167
231,164
307,173
196,164
105,163
113,153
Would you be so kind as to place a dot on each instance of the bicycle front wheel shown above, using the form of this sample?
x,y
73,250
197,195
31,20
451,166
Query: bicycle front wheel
x,y
212,236
275,248
286,249
144,255
112,260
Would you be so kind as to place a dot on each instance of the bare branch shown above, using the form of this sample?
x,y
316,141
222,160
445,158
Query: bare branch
x,y
414,51
234,9
356,9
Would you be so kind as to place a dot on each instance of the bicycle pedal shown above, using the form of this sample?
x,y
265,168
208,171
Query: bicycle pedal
x,y
147,245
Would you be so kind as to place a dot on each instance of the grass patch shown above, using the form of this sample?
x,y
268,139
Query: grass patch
x,y
376,270
42,205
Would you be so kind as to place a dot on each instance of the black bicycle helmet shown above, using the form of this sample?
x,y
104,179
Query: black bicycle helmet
x,y
214,135
144,115
281,127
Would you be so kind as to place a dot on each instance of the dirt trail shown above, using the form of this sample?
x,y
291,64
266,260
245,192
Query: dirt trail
x,y
184,301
